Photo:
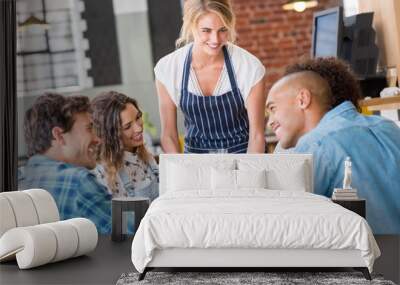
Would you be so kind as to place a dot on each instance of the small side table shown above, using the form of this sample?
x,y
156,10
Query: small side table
x,y
357,206
139,205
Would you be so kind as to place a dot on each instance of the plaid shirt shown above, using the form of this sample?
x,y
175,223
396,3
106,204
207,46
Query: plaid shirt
x,y
75,190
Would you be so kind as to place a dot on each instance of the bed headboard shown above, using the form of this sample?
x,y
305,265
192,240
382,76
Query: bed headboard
x,y
285,165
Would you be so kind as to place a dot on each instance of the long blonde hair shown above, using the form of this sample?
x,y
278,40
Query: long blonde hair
x,y
193,9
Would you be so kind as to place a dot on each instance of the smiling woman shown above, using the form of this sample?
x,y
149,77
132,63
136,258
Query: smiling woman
x,y
218,86
125,166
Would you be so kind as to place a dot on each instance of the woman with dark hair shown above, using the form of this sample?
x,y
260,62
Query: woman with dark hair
x,y
125,166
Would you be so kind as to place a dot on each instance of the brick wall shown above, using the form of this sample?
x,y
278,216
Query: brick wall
x,y
275,36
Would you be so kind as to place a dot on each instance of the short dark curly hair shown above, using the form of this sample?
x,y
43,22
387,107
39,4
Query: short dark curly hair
x,y
341,79
48,111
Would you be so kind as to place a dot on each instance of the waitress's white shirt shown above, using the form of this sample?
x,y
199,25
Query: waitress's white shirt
x,y
248,71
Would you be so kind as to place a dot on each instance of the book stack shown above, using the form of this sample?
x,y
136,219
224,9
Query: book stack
x,y
344,194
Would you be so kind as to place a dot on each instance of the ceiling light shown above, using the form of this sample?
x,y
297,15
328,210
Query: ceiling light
x,y
300,6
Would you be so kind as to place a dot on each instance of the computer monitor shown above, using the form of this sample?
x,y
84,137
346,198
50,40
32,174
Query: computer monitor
x,y
327,33
358,44
349,38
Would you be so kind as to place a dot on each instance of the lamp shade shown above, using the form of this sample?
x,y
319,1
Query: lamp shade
x,y
33,21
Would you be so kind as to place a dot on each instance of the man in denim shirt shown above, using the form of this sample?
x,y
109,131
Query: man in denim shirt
x,y
311,112
61,145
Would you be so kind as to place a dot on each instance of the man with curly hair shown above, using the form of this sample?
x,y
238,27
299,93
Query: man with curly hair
x,y
312,109
61,148
343,83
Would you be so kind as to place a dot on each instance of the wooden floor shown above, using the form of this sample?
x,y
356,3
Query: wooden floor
x,y
111,259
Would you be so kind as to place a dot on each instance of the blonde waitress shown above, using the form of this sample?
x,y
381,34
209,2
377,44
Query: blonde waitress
x,y
218,86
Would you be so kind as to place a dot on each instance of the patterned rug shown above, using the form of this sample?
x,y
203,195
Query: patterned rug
x,y
242,278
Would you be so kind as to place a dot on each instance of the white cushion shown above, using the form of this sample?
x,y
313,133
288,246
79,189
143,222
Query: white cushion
x,y
281,174
193,176
45,205
87,233
223,179
26,208
183,177
281,170
7,220
34,244
37,245
293,180
251,178
67,239
23,208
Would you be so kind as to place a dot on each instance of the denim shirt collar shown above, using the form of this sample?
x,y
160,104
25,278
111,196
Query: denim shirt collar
x,y
324,124
337,111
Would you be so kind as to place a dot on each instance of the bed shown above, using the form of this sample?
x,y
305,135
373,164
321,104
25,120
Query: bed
x,y
250,210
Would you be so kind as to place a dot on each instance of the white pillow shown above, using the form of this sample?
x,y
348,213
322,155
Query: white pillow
x,y
251,178
226,179
223,179
293,180
183,177
193,176
281,174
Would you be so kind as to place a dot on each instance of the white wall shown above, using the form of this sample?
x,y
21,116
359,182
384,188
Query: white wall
x,y
129,6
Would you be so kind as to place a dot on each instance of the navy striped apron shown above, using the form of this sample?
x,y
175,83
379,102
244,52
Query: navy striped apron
x,y
214,122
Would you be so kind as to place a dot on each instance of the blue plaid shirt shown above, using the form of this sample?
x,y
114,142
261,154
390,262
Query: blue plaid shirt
x,y
373,143
75,190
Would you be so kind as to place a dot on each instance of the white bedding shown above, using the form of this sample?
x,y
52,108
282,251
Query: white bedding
x,y
252,218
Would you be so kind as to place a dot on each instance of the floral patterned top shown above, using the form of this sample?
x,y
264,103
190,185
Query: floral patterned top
x,y
136,178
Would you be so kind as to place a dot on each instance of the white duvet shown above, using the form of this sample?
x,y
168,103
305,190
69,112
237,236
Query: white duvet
x,y
250,219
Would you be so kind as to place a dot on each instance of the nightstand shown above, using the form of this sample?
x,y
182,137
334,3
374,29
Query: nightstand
x,y
357,206
138,205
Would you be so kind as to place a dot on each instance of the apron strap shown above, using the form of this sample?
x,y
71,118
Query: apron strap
x,y
186,70
229,68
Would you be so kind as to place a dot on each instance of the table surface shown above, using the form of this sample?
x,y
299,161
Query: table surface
x,y
110,259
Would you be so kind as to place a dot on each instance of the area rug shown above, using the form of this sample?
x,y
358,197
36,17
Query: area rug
x,y
243,278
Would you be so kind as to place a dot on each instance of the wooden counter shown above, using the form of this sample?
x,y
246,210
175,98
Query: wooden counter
x,y
378,104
